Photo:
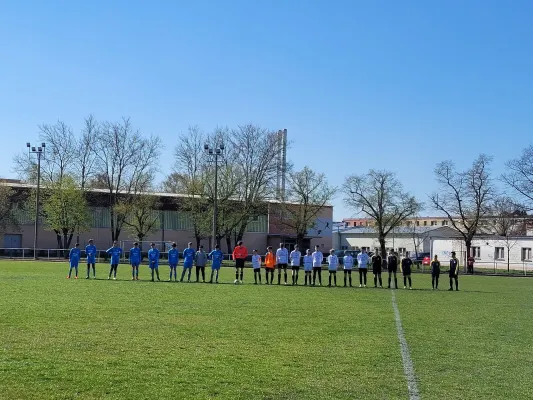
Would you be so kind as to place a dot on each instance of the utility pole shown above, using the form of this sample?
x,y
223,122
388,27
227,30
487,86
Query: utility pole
x,y
39,152
215,153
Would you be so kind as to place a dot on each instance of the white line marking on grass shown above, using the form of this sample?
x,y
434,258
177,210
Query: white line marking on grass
x,y
408,367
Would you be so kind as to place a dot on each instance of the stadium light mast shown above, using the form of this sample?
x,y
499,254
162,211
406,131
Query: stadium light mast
x,y
39,152
214,153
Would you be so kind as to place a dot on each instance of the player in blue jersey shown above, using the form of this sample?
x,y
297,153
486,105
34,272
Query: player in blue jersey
x,y
135,260
188,258
216,257
90,252
74,259
153,259
173,258
115,253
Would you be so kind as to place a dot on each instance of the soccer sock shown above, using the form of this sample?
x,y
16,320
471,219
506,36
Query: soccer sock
x,y
296,278
189,274
236,274
259,275
364,276
335,279
197,274
285,276
329,279
389,279
410,282
395,281
111,271
380,281
94,270
375,280
88,270
405,281
437,281
456,283
433,282
451,283
183,274
170,275
350,277
203,274
320,277
69,271
279,277
242,273
345,273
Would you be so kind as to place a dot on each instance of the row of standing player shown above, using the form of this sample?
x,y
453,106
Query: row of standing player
x,y
190,257
312,264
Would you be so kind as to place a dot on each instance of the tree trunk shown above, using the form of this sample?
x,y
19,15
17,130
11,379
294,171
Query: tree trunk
x,y
198,240
228,243
59,244
508,261
382,246
468,249
300,239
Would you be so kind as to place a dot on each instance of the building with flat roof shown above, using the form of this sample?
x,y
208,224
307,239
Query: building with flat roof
x,y
174,225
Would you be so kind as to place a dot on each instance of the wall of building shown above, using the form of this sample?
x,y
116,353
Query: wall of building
x,y
487,252
352,241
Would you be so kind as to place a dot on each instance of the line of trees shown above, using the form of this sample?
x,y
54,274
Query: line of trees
x,y
469,198
122,162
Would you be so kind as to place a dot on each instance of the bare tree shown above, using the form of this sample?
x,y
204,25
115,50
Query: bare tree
x,y
380,195
520,176
85,155
506,221
60,151
125,166
464,196
255,158
309,193
189,179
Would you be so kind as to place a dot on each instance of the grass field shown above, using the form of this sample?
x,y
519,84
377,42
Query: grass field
x,y
86,339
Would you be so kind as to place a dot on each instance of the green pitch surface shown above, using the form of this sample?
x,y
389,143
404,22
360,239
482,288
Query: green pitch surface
x,y
87,339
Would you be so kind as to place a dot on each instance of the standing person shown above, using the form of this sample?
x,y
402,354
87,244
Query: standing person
x,y
74,259
295,258
470,264
135,260
270,265
216,257
377,263
318,259
200,259
435,273
115,252
256,264
188,259
173,259
239,255
454,272
347,262
392,266
308,266
153,259
333,262
362,262
90,252
282,258
406,271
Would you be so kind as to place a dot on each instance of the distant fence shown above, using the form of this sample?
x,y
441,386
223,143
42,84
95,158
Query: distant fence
x,y
524,268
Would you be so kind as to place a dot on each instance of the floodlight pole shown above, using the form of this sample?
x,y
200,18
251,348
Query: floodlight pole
x,y
215,153
39,152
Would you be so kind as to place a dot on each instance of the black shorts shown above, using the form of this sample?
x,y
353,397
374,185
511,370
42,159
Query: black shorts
x,y
435,273
295,267
317,268
376,270
406,271
392,269
452,273
239,263
282,266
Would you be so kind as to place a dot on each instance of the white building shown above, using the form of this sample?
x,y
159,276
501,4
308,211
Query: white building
x,y
489,251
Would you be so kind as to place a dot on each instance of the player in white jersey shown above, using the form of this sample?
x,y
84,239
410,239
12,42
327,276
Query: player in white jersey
x,y
308,266
362,263
256,265
333,262
295,257
282,259
318,258
347,262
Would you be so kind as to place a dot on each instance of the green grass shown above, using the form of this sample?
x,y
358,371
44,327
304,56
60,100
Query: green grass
x,y
67,339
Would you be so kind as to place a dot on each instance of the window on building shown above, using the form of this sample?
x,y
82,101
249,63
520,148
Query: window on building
x,y
425,223
476,252
408,223
526,253
365,249
433,223
444,223
499,253
417,223
402,251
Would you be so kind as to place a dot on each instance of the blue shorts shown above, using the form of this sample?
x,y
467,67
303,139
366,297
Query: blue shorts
x,y
187,266
213,266
74,265
172,265
135,264
91,261
154,266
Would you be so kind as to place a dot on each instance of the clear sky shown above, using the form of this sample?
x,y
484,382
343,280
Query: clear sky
x,y
398,85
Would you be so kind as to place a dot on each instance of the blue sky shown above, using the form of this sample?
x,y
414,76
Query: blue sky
x,y
397,85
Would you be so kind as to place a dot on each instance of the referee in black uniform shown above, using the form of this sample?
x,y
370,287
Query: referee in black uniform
x,y
392,266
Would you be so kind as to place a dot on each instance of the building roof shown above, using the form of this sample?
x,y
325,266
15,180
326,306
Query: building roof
x,y
404,230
